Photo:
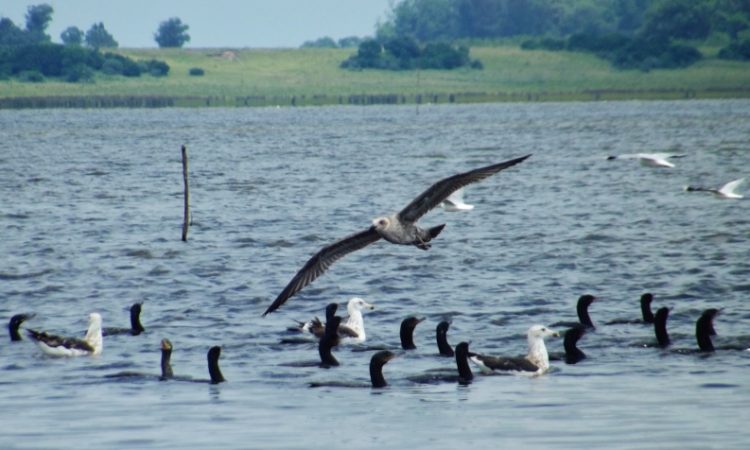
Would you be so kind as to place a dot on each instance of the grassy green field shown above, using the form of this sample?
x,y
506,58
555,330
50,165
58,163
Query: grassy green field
x,y
312,76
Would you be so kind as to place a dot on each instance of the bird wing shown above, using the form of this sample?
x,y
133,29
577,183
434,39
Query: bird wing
x,y
730,187
439,191
345,331
52,340
321,261
507,363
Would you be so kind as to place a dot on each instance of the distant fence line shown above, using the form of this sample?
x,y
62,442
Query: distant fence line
x,y
149,101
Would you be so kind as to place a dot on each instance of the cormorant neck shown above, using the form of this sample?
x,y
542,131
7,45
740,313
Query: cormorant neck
x,y
135,321
703,331
407,334
462,363
213,365
441,336
660,327
583,311
648,316
166,367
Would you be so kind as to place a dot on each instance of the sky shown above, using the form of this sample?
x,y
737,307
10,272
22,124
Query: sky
x,y
215,23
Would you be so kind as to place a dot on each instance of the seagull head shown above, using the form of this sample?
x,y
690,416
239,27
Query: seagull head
x,y
381,223
358,304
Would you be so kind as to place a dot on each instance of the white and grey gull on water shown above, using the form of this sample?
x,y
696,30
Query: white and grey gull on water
x,y
351,330
399,228
55,345
536,361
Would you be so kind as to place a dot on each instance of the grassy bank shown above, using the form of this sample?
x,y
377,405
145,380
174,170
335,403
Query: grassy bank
x,y
312,76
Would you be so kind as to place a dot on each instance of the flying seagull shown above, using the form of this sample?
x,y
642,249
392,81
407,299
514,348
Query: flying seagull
x,y
651,159
398,228
455,202
726,191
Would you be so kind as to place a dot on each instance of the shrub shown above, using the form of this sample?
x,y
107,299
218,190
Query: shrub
x,y
196,72
739,50
79,73
155,67
31,76
112,66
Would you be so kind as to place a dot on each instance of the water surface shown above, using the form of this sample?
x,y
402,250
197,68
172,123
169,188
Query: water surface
x,y
91,215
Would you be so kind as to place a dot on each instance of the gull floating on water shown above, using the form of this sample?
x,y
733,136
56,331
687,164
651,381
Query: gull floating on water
x,y
455,202
69,346
351,330
398,228
651,159
726,191
536,360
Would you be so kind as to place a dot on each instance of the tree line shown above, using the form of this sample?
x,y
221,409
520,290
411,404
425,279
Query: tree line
x,y
29,54
630,33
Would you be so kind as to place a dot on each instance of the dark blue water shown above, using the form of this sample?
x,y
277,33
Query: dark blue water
x,y
90,220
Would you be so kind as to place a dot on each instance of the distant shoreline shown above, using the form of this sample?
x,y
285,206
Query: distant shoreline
x,y
151,101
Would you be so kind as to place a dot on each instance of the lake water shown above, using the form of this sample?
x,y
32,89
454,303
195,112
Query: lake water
x,y
90,220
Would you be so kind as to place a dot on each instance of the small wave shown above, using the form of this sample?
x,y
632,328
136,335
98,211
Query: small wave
x,y
23,276
139,253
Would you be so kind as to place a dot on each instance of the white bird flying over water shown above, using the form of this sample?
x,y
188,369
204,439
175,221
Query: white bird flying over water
x,y
726,191
651,159
398,228
455,202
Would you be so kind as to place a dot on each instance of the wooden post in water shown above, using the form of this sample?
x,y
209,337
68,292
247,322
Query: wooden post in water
x,y
186,219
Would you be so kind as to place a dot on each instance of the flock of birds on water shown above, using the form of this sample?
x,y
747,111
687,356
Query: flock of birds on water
x,y
401,228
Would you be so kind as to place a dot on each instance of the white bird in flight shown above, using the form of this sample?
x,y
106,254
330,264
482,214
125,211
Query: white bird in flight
x,y
455,202
726,191
651,159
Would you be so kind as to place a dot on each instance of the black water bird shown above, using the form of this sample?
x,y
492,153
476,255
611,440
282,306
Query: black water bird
x,y
704,329
377,380
399,228
136,327
462,374
166,356
573,354
330,337
406,333
646,314
167,373
582,309
441,336
15,322
660,327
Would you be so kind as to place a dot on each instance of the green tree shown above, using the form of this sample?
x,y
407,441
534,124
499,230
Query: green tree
x,y
38,18
98,37
172,33
72,36
10,34
678,19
